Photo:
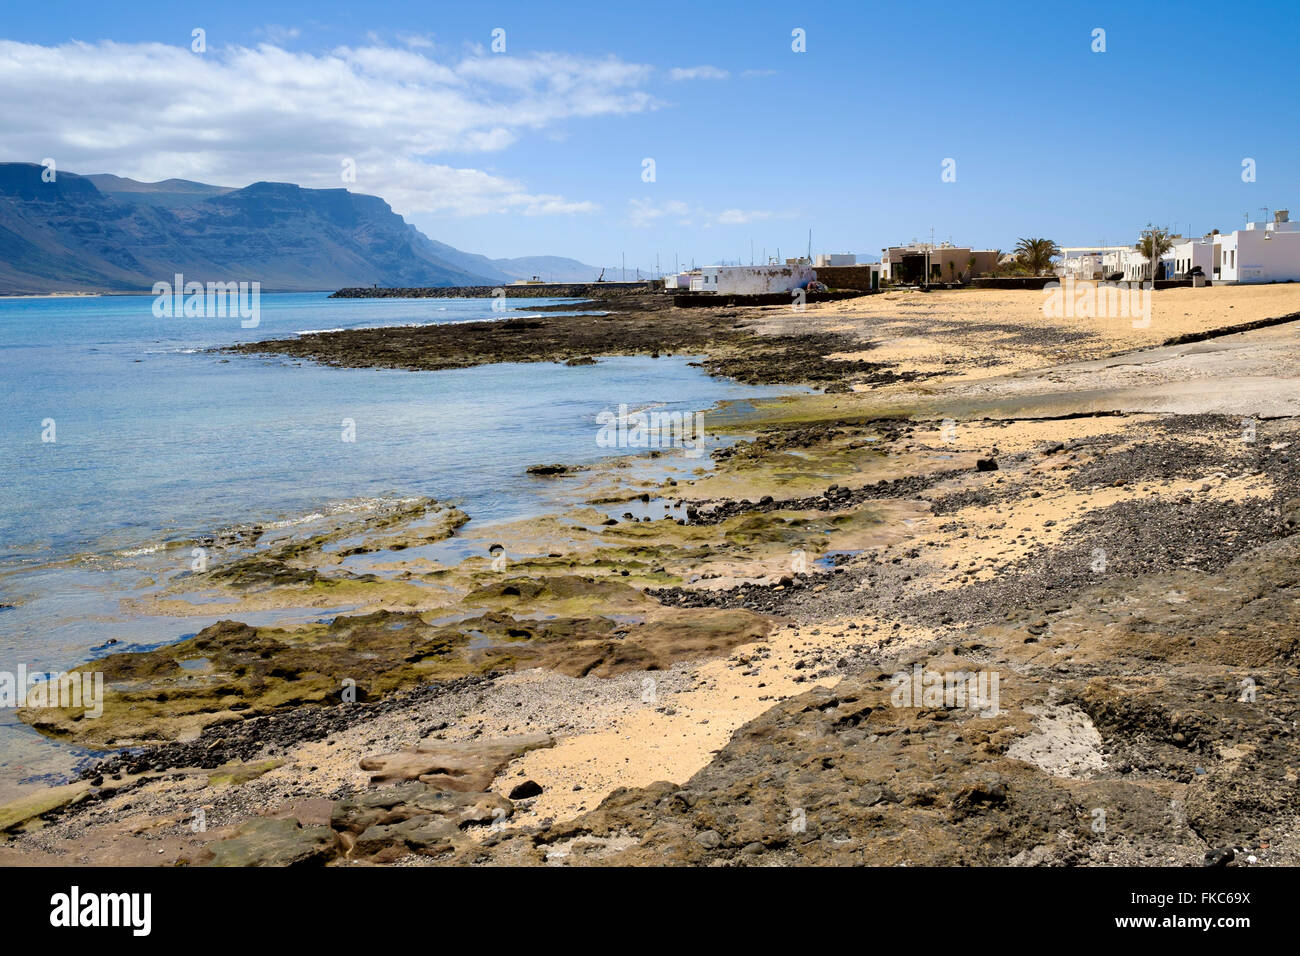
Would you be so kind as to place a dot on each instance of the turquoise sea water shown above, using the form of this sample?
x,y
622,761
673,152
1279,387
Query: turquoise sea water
x,y
158,439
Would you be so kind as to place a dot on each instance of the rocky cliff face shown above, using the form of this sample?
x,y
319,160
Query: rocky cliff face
x,y
71,235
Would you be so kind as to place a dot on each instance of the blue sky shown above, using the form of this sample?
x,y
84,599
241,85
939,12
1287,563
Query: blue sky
x,y
539,150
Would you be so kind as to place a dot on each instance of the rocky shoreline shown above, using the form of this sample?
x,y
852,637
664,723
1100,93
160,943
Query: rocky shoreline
x,y
636,325
722,688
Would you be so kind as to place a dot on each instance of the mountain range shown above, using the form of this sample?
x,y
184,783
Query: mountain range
x,y
105,233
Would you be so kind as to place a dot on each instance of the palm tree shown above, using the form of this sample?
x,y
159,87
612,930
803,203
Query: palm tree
x,y
1037,254
1155,242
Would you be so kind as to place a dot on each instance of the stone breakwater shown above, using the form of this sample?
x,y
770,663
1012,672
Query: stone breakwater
x,y
548,290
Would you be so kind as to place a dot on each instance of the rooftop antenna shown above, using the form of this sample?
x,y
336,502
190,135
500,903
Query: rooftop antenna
x,y
810,245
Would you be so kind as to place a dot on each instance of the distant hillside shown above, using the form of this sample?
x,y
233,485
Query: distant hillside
x,y
104,233
168,193
551,268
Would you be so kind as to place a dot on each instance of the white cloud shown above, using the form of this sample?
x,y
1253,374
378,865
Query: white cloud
x,y
738,217
446,190
643,212
279,35
697,73
421,41
237,115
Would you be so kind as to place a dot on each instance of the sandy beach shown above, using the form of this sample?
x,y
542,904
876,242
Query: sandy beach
x,y
689,664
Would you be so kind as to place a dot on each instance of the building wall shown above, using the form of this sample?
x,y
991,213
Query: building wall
x,y
1135,266
1081,267
947,263
1246,256
1091,262
1113,262
753,280
1189,255
849,277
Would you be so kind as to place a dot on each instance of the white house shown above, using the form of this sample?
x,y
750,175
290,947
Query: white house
x,y
753,280
1196,252
1091,262
1134,265
1262,252
1116,262
679,280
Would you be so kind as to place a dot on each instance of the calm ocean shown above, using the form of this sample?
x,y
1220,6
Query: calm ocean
x,y
157,439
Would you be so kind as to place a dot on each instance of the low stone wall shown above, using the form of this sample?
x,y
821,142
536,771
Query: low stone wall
x,y
845,277
703,300
1012,282
1040,282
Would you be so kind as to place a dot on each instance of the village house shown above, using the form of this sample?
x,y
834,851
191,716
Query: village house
x,y
1262,252
1196,254
1092,262
679,280
911,264
754,280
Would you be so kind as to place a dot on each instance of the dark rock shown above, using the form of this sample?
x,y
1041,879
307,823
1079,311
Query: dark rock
x,y
1220,857
529,788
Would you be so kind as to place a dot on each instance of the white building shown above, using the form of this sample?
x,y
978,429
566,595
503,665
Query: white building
x,y
1196,253
1134,266
835,259
679,280
1091,262
753,280
1262,252
1116,263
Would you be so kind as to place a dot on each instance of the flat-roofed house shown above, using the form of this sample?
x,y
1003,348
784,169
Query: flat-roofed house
x,y
754,280
1262,252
